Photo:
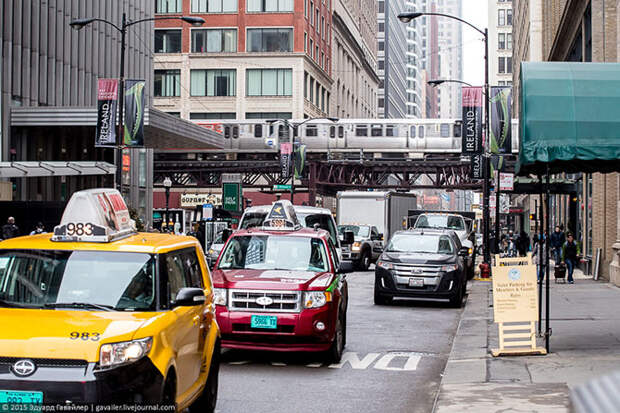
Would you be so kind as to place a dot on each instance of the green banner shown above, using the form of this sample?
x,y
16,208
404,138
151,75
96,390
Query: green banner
x,y
300,161
231,196
134,113
501,119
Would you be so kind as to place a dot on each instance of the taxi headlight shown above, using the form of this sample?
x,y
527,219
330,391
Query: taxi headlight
x,y
211,251
449,267
115,354
356,246
385,265
220,296
316,299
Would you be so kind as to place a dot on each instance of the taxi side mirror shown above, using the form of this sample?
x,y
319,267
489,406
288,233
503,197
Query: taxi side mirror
x,y
348,238
345,267
189,297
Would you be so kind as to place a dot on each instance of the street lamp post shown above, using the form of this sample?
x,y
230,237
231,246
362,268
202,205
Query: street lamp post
x,y
167,185
406,18
293,128
78,24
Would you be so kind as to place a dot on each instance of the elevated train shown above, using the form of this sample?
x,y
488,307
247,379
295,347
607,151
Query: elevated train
x,y
346,138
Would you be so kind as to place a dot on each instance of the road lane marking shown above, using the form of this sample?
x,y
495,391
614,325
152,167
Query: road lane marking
x,y
239,363
314,365
354,361
278,364
410,365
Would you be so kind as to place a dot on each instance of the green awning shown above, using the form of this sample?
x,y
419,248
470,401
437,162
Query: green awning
x,y
569,117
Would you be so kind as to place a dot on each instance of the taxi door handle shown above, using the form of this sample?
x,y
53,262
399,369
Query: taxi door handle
x,y
196,320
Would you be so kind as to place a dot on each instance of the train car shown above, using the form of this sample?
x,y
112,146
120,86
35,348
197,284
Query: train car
x,y
374,138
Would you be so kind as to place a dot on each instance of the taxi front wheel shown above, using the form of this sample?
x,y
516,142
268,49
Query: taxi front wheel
x,y
207,401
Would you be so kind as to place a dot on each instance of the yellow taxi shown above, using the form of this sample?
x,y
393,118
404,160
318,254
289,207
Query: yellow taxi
x,y
99,313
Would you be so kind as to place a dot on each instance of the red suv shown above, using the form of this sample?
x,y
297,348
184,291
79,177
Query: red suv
x,y
281,288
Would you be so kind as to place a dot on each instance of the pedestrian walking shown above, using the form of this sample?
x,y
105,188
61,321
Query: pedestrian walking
x,y
538,258
570,251
39,229
557,241
523,243
10,230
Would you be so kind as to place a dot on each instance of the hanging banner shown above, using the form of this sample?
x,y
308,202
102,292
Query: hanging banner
x,y
472,120
501,119
477,167
286,150
497,165
134,113
300,161
107,98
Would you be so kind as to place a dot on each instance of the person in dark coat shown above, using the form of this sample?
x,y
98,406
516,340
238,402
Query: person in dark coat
x,y
523,243
557,241
10,230
570,251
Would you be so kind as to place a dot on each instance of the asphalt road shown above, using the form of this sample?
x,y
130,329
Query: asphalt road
x,y
393,362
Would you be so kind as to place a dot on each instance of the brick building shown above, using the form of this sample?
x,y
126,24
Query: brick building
x,y
578,31
253,59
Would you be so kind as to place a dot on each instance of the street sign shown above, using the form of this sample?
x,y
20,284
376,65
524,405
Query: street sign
x,y
445,196
207,212
233,178
231,196
506,181
286,187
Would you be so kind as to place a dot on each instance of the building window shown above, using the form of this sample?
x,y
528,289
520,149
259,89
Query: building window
x,y
501,65
214,6
270,40
381,27
311,89
318,27
381,7
269,82
305,42
323,60
270,6
316,53
167,83
214,40
311,13
167,41
323,27
509,41
381,65
268,115
501,17
311,48
306,9
212,115
381,46
501,41
509,17
509,65
168,6
317,94
212,82
501,83
306,85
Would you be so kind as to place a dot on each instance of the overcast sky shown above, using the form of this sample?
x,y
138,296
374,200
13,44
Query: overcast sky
x,y
475,12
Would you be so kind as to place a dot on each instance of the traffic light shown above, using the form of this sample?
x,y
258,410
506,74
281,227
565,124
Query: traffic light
x,y
532,217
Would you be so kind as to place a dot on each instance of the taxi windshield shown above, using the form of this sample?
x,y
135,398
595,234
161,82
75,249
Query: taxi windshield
x,y
123,281
266,252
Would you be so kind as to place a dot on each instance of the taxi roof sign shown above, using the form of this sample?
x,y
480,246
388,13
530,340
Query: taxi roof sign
x,y
95,215
282,216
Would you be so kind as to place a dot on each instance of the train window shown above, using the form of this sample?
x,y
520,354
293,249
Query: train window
x,y
421,131
283,131
412,132
258,131
341,131
312,130
332,131
390,130
376,130
226,132
444,130
458,125
235,132
361,130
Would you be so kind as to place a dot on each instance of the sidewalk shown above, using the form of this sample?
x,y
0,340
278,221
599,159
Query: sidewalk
x,y
585,344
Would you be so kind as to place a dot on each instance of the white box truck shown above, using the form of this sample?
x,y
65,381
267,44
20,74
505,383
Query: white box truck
x,y
385,211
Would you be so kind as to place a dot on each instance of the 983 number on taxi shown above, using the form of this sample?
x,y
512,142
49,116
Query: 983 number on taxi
x,y
79,229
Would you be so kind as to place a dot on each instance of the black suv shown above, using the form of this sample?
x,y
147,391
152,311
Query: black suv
x,y
422,264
